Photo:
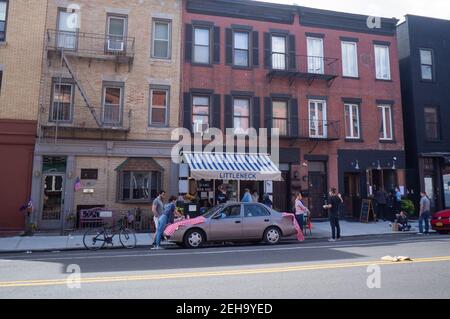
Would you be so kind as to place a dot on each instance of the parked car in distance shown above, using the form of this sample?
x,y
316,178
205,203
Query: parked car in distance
x,y
236,222
440,221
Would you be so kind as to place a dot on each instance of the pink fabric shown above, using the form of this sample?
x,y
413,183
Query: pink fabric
x,y
300,236
171,229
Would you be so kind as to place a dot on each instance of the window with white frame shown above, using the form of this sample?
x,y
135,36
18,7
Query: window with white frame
x,y
386,129
202,48
117,31
3,11
315,55
279,50
159,105
62,102
200,113
349,59
280,116
241,115
382,62
318,125
112,104
426,64
241,53
161,39
352,125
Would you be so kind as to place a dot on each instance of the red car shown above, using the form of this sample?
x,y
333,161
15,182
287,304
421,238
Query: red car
x,y
440,221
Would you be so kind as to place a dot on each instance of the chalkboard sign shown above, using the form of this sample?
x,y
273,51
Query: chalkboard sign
x,y
366,210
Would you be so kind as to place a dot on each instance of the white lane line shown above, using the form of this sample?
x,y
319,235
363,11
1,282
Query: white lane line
x,y
198,253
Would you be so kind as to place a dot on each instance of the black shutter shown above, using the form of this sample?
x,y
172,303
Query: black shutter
x,y
255,46
268,115
216,50
293,118
229,46
267,50
188,42
187,114
228,112
215,121
256,111
292,54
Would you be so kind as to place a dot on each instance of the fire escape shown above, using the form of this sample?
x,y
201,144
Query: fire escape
x,y
69,56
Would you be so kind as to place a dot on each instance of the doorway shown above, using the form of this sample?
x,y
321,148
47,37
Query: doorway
x,y
281,193
318,188
52,201
352,196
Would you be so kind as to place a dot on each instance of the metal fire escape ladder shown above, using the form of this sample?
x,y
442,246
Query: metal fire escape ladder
x,y
80,88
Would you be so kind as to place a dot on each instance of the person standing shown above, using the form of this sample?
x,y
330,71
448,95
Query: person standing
x,y
398,200
158,209
166,218
255,197
300,210
334,202
221,197
247,198
267,201
382,199
425,206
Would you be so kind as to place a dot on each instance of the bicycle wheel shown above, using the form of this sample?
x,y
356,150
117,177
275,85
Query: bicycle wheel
x,y
94,239
127,238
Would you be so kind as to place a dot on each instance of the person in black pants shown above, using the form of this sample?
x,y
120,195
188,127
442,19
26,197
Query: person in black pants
x,y
334,202
381,198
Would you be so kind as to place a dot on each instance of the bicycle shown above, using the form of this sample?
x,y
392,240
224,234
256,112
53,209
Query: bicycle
x,y
96,238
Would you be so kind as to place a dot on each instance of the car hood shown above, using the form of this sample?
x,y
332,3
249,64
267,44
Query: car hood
x,y
442,214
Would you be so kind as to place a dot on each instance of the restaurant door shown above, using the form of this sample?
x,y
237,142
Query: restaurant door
x,y
281,193
318,185
352,195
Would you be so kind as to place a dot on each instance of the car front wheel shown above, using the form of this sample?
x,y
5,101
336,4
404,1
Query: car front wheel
x,y
272,236
194,239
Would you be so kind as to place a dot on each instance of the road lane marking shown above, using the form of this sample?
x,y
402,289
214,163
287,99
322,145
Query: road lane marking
x,y
205,274
194,253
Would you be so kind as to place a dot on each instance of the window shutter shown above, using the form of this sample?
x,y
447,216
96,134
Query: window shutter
x,y
292,54
228,112
187,113
215,121
216,50
255,45
268,115
293,118
229,46
267,50
188,43
256,111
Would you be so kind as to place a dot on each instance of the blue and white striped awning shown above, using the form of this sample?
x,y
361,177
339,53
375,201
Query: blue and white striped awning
x,y
232,166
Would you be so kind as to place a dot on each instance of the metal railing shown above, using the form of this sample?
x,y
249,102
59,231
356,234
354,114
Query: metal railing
x,y
91,44
308,129
308,65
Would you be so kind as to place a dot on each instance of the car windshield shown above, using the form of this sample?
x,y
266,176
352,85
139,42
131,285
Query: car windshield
x,y
212,211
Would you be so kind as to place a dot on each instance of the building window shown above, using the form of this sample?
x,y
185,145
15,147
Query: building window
x,y
350,59
67,31
382,62
159,105
241,113
161,39
318,124
139,186
426,64
202,50
241,49
432,125
279,56
280,116
117,31
112,104
3,16
200,113
352,125
315,55
62,102
1,78
386,129
89,174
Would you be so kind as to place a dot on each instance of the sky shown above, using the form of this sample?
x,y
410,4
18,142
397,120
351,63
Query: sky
x,y
383,8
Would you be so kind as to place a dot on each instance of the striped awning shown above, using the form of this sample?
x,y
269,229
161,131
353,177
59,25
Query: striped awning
x,y
232,166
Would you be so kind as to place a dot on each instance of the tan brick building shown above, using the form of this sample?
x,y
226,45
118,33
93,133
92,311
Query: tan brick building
x,y
109,101
22,25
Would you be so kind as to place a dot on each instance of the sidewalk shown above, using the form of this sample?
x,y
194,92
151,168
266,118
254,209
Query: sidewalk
x,y
73,242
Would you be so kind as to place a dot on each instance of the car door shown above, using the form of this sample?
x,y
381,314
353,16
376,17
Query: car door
x,y
227,225
256,220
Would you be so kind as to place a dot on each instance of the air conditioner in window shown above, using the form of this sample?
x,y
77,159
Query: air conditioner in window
x,y
200,128
115,45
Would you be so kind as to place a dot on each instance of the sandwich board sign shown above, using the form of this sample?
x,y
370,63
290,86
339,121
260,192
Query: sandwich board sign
x,y
366,210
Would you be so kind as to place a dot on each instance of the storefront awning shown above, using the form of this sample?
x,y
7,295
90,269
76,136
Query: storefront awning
x,y
232,166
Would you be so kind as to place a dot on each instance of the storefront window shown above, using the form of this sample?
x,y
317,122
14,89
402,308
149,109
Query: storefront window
x,y
446,180
139,186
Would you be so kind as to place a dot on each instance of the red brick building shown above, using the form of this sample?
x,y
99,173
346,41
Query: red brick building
x,y
329,81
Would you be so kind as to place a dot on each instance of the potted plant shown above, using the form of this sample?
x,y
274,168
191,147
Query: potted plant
x,y
71,221
409,208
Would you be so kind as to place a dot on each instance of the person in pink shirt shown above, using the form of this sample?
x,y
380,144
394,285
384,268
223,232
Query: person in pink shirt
x,y
300,210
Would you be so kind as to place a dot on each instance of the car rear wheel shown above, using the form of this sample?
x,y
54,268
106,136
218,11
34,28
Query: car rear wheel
x,y
194,239
272,236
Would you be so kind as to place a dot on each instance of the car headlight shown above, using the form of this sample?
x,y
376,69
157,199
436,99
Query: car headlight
x,y
440,218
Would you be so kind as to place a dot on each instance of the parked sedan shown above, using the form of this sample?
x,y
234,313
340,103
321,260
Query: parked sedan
x,y
440,221
236,222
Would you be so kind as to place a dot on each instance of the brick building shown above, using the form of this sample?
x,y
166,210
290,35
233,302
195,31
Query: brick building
x,y
108,103
20,71
329,81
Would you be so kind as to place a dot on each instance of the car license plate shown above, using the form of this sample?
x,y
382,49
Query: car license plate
x,y
439,224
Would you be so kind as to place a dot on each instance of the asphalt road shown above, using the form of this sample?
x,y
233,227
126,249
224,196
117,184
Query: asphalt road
x,y
315,269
